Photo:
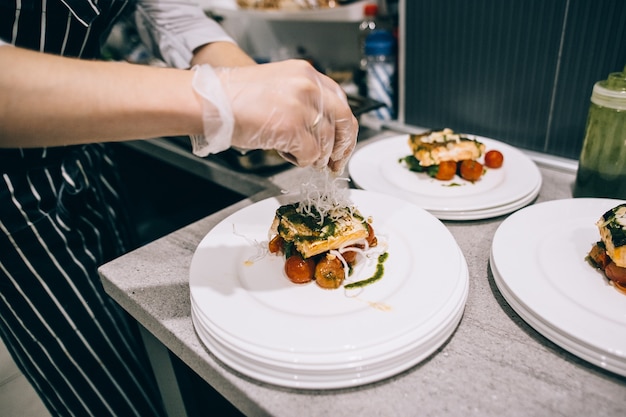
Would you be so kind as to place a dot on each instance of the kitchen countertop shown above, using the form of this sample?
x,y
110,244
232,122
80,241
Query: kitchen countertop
x,y
494,364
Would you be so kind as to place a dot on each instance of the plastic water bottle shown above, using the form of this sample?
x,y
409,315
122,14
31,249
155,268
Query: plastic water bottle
x,y
380,50
367,26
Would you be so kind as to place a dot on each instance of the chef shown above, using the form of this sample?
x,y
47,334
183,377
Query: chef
x,y
61,209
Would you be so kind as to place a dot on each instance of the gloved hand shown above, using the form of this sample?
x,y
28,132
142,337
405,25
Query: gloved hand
x,y
287,106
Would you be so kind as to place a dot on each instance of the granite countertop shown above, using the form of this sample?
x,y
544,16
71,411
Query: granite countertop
x,y
493,365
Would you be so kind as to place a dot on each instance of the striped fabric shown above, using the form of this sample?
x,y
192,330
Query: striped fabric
x,y
73,28
60,218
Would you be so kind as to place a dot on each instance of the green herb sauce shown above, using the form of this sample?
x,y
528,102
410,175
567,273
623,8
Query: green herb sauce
x,y
412,163
380,270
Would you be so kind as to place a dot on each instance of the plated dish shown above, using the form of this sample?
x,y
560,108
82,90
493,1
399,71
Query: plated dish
x,y
376,167
609,253
259,323
538,262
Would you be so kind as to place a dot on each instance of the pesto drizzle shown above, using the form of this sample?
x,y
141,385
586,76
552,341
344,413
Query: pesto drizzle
x,y
380,270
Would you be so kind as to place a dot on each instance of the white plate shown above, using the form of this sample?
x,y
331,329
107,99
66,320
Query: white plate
x,y
489,212
347,374
247,310
538,261
376,167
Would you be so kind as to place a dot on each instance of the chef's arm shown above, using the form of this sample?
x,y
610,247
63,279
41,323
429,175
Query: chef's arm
x,y
221,54
46,100
180,33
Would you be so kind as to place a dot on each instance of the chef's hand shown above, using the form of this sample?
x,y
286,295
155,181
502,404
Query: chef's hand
x,y
287,106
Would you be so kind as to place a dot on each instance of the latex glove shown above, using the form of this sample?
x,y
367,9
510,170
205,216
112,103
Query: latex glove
x,y
287,106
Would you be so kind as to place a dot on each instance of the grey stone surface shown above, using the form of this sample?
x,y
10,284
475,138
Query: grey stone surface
x,y
493,365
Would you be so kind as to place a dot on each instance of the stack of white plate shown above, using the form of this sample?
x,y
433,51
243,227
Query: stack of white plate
x,y
376,167
538,263
255,321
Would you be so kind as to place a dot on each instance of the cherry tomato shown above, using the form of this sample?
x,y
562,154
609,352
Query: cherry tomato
x,y
371,237
471,170
349,256
494,159
329,272
276,245
446,170
299,270
615,273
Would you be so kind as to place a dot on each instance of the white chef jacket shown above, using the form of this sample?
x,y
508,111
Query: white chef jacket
x,y
172,29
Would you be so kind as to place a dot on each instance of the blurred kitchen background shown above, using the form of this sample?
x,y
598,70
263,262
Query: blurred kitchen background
x,y
519,71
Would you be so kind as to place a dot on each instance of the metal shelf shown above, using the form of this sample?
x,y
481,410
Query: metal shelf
x,y
352,12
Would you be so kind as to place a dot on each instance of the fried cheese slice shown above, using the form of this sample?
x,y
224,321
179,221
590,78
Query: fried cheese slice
x,y
311,234
612,227
432,148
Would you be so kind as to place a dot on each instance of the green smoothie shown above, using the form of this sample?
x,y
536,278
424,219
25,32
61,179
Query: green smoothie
x,y
602,164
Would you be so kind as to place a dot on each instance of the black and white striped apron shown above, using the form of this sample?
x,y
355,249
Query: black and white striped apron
x,y
61,216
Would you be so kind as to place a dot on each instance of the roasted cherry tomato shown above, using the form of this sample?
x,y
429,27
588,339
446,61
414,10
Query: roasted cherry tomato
x,y
329,272
276,245
471,170
616,273
299,270
371,237
446,170
349,256
494,159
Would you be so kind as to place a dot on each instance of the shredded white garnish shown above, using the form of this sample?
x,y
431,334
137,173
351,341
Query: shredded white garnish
x,y
363,252
325,195
261,247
